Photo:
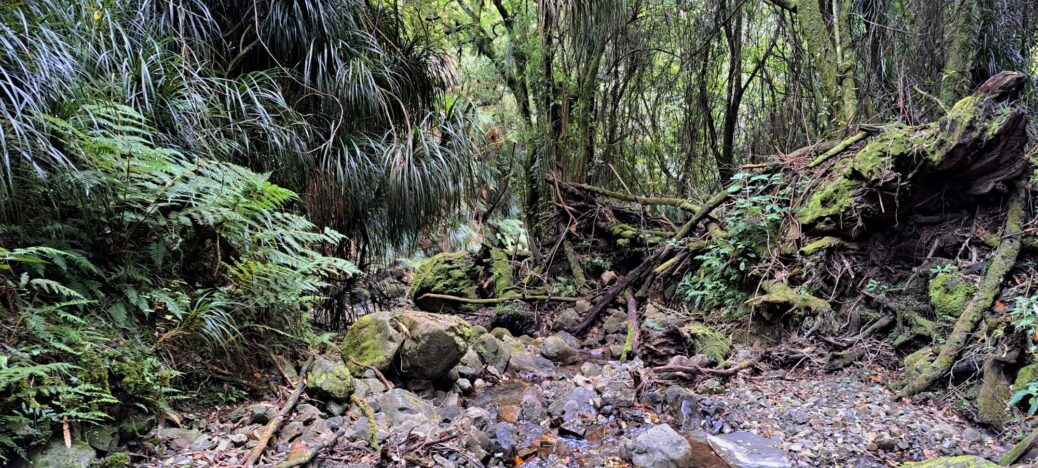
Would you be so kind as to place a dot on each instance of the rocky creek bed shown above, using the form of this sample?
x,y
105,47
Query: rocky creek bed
x,y
555,401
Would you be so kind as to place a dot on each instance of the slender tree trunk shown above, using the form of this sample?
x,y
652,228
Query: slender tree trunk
x,y
961,35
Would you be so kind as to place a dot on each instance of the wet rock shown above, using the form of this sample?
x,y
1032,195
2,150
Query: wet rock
x,y
531,404
748,450
566,320
373,340
556,349
615,322
464,385
659,447
493,352
471,365
576,403
55,454
328,379
508,413
527,363
260,414
503,439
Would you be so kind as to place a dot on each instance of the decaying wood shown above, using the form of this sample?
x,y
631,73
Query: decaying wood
x,y
699,370
498,300
633,328
275,424
1001,263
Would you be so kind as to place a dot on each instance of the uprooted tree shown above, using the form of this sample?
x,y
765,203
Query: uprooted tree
x,y
851,241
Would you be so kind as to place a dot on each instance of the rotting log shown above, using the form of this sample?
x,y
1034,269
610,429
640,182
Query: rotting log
x,y
1001,263
498,300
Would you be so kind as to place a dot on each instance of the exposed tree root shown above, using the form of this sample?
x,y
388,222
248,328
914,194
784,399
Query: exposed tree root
x,y
699,370
1001,263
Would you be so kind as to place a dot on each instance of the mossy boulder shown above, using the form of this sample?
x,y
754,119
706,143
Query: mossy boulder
x,y
451,274
80,455
329,379
373,341
916,362
499,272
704,340
964,461
411,344
116,460
950,292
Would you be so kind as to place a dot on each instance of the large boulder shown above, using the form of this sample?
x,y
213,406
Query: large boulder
x,y
659,447
435,344
411,344
451,274
373,341
80,455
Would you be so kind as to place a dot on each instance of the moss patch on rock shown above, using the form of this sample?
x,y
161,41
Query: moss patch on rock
x,y
1025,376
330,379
446,273
704,340
950,292
373,340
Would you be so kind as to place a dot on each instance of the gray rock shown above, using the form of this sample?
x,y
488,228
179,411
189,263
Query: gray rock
x,y
55,454
400,406
659,447
202,443
464,385
576,403
566,320
556,349
683,406
527,363
306,412
291,431
492,351
531,405
503,439
748,450
261,414
582,307
178,438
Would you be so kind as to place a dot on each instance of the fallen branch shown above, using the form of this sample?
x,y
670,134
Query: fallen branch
x,y
381,377
498,300
303,458
275,424
633,332
694,370
843,146
1001,263
646,201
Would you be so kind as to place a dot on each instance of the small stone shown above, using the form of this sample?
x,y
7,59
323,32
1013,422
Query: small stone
x,y
508,413
261,414
464,385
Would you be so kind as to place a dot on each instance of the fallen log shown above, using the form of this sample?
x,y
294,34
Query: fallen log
x,y
275,424
1001,263
699,370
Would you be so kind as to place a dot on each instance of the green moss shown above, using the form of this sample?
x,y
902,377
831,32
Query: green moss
x,y
1025,376
500,272
330,379
834,198
373,340
819,245
963,461
917,361
781,293
950,292
116,460
446,273
704,340
1014,454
